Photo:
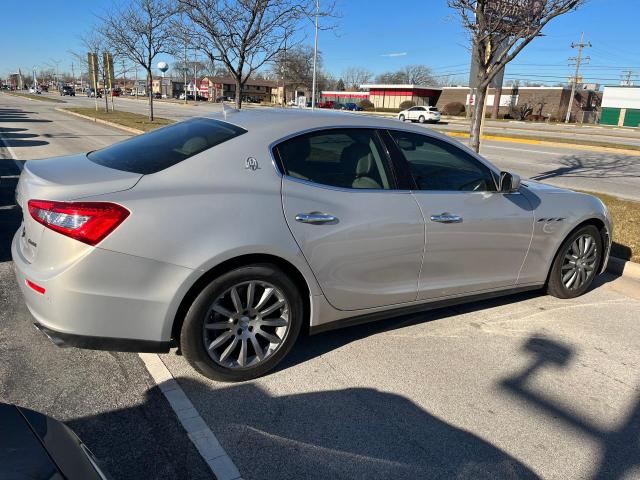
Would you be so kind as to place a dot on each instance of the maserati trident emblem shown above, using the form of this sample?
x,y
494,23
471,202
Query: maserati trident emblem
x,y
251,164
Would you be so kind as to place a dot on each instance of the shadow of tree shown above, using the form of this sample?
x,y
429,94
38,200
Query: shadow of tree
x,y
353,433
621,447
594,165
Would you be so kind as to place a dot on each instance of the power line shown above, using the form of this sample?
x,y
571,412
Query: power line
x,y
580,46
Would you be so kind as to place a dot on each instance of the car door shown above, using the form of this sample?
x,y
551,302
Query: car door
x,y
413,113
476,237
361,235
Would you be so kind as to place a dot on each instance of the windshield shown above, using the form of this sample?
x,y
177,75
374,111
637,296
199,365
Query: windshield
x,y
165,147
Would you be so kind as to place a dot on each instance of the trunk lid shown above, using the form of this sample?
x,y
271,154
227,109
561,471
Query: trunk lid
x,y
65,178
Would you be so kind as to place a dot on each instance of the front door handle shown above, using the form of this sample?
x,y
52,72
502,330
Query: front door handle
x,y
446,218
315,218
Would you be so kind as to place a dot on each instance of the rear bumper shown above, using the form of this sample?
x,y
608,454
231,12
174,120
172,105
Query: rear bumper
x,y
63,340
103,300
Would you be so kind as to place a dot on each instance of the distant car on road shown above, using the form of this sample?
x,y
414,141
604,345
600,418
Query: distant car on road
x,y
92,93
33,445
326,104
420,114
352,107
67,90
35,90
228,235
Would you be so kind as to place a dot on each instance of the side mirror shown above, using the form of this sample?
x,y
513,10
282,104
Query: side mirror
x,y
509,182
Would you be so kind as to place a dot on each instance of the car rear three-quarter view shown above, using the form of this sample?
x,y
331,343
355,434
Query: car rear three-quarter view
x,y
228,236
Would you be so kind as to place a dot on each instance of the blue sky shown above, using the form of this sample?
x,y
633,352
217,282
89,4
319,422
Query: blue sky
x,y
375,34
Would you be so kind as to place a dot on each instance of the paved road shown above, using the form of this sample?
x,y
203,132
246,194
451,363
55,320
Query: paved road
x,y
523,387
617,135
107,398
35,130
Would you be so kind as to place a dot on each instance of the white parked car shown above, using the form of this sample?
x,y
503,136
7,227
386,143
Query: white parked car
x,y
420,114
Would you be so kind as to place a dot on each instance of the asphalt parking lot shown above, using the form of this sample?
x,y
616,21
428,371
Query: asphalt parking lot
x,y
526,386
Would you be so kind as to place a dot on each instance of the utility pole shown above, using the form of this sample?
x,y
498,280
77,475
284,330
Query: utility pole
x,y
579,59
315,59
627,80
73,76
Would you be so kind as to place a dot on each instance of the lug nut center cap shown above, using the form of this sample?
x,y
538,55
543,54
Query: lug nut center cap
x,y
244,322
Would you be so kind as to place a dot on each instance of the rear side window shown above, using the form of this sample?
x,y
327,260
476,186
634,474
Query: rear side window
x,y
165,147
345,158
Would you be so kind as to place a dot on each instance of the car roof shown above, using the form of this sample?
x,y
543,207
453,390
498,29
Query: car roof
x,y
277,123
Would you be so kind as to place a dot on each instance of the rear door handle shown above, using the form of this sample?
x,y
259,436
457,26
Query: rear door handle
x,y
446,218
315,218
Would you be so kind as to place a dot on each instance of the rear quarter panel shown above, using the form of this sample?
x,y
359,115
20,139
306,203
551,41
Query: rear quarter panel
x,y
208,209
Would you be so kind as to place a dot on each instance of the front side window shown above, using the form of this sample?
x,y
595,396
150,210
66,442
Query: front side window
x,y
162,148
345,158
439,165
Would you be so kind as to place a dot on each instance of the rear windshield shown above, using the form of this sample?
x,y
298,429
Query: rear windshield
x,y
165,147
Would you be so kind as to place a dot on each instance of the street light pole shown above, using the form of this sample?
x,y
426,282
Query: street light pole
x,y
315,59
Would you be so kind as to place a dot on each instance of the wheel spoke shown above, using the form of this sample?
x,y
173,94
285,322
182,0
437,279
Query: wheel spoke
x,y
242,356
272,308
572,279
219,326
222,311
220,340
269,336
266,295
257,348
235,298
275,322
567,276
229,349
251,289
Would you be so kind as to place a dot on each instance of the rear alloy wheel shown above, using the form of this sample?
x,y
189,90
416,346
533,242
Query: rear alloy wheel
x,y
576,263
242,324
421,119
401,118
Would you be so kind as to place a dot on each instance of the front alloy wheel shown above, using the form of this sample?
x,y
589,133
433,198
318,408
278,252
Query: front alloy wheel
x,y
576,263
243,323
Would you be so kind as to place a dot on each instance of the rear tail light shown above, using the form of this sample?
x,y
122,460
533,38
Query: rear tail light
x,y
88,222
35,286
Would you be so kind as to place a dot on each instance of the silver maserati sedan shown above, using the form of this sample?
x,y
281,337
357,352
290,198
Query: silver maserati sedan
x,y
228,236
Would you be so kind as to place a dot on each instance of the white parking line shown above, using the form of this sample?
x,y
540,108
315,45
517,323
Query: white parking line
x,y
197,429
12,154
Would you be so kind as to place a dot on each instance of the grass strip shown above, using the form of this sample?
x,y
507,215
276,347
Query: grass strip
x,y
126,119
626,226
35,96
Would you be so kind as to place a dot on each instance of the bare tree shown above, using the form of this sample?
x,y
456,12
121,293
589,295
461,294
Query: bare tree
x,y
140,30
294,67
94,42
499,30
355,76
418,75
244,35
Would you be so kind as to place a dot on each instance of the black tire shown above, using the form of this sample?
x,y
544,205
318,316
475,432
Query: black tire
x,y
421,119
192,341
401,118
555,285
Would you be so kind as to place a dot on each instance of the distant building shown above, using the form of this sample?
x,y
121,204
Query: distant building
x,y
621,106
386,96
549,103
344,97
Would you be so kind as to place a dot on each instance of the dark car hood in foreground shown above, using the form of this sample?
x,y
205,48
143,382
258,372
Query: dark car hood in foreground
x,y
36,447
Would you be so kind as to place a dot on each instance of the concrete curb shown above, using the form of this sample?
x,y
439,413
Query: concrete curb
x,y
104,122
624,268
